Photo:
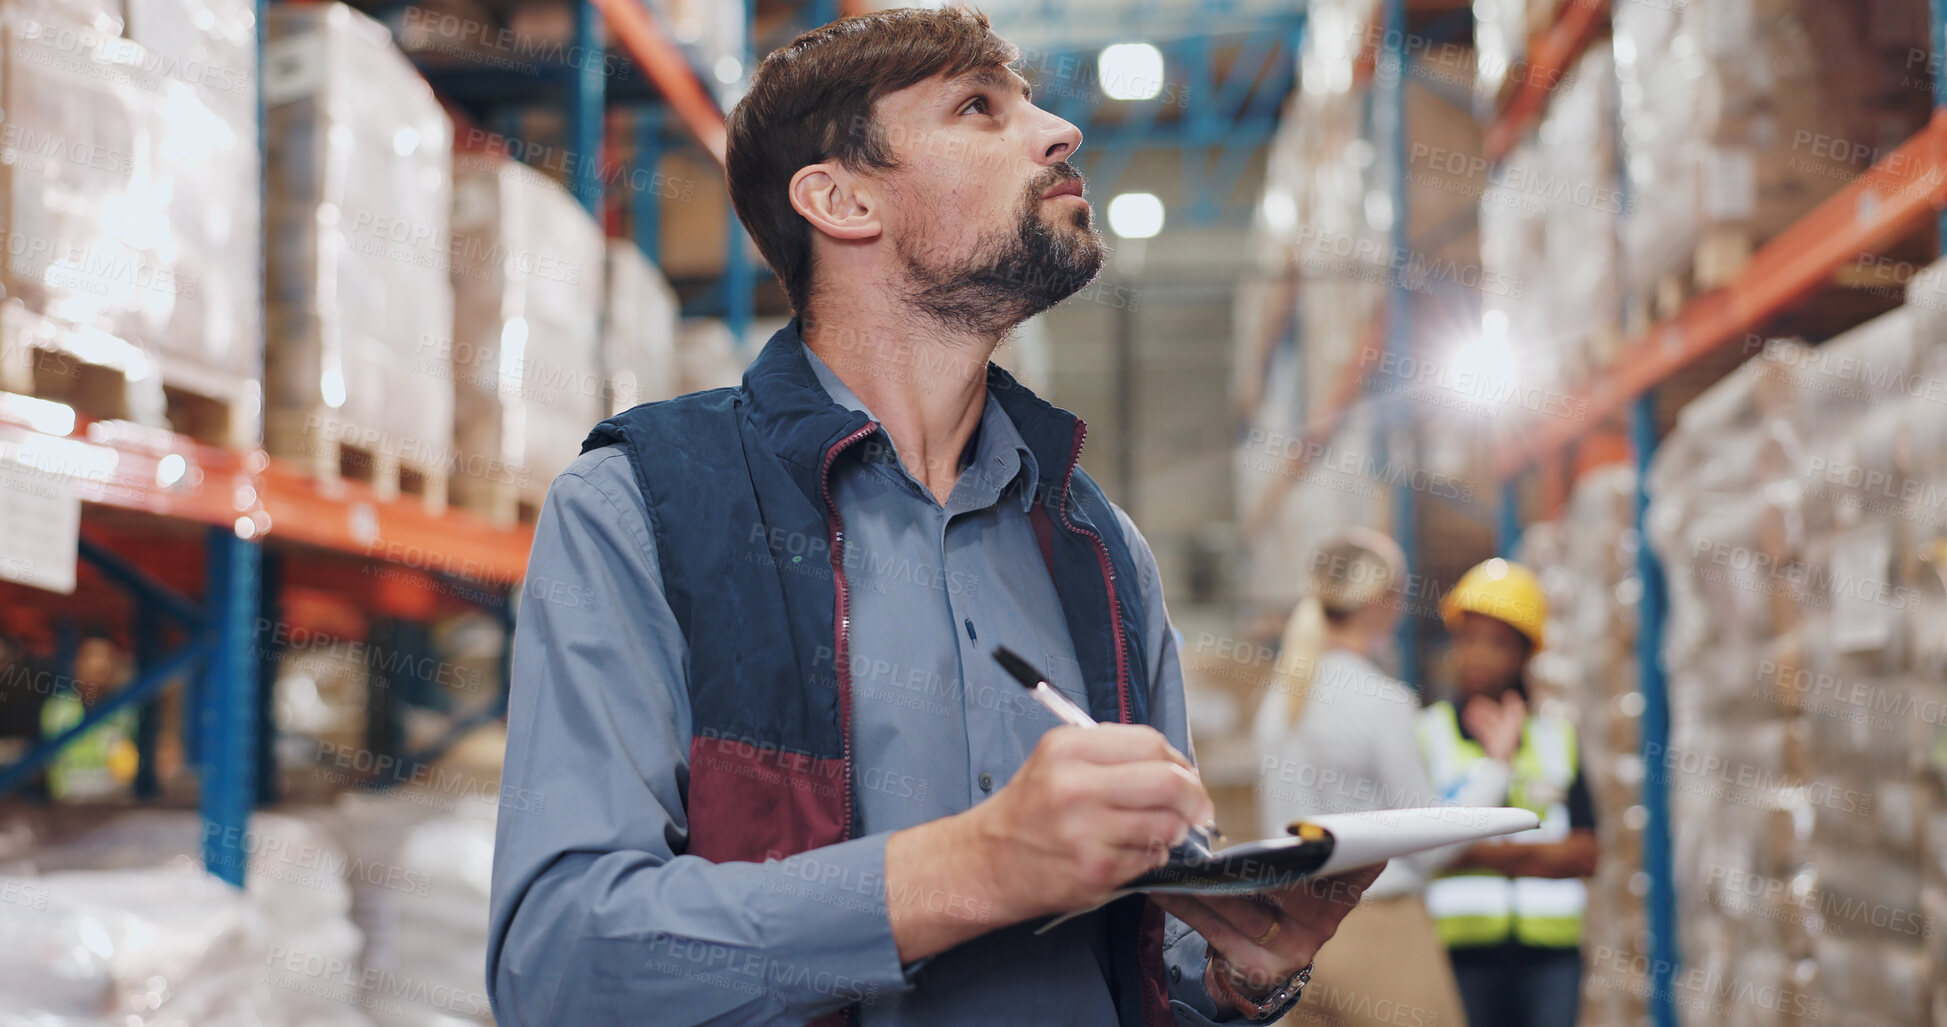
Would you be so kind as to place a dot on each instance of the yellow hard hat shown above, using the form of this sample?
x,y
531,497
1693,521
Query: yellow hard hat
x,y
1507,592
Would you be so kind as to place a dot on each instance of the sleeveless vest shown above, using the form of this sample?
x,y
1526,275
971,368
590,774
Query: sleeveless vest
x,y
736,482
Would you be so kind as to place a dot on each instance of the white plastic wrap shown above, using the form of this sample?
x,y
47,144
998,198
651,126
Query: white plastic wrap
x,y
1801,534
527,289
638,330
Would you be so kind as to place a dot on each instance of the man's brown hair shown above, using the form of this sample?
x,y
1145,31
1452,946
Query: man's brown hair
x,y
814,100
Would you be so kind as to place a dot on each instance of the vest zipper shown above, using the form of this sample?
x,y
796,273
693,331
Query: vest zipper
x,y
842,617
1108,575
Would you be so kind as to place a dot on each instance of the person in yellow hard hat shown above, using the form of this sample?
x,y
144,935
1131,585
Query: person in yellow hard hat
x,y
1510,912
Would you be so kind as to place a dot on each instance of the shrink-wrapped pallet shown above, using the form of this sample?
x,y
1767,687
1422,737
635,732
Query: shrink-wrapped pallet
x,y
359,375
527,286
638,331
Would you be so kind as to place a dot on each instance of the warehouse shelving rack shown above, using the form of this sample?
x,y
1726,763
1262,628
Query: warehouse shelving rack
x,y
1885,204
213,548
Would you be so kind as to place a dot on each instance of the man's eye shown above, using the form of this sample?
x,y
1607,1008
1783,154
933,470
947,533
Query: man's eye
x,y
978,105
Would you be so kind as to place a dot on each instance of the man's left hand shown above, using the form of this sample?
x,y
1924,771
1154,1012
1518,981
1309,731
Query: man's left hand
x,y
1260,940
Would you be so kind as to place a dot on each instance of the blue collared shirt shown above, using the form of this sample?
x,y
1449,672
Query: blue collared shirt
x,y
613,925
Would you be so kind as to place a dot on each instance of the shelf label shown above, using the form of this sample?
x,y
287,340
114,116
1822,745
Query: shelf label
x,y
41,535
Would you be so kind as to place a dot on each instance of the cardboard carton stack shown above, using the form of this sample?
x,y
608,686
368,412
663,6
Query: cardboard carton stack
x,y
527,280
359,375
1587,563
638,331
128,195
1742,115
1800,511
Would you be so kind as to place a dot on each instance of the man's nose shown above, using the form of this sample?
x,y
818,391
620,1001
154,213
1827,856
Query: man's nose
x,y
1060,141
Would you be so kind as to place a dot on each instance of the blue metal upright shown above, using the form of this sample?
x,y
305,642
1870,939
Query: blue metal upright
x,y
585,104
646,196
228,783
1660,904
1937,35
739,275
1395,423
1507,520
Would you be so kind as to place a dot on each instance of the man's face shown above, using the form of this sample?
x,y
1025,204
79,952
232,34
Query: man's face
x,y
1488,656
985,211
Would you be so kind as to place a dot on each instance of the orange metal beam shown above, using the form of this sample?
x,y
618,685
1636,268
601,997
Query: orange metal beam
x,y
113,463
666,66
1319,430
1875,209
347,517
853,8
125,466
1549,59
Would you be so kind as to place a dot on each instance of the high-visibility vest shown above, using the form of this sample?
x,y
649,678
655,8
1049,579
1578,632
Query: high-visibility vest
x,y
97,765
1480,907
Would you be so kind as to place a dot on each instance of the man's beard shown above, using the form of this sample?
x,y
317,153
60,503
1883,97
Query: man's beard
x,y
1011,276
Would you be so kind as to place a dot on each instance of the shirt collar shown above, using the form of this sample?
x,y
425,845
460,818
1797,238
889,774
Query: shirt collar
x,y
994,440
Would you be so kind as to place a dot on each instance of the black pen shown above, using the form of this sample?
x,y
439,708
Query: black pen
x,y
1065,709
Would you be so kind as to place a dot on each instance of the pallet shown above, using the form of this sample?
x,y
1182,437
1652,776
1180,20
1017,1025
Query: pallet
x,y
331,451
107,378
504,504
1720,254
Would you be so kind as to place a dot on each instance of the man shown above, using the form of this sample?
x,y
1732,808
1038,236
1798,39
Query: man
x,y
777,775
1510,912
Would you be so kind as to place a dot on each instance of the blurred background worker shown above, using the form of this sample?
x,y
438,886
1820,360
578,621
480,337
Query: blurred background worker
x,y
1335,735
1510,912
101,764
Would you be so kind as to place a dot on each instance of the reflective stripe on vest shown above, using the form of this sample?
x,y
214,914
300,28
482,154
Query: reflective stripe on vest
x,y
1479,907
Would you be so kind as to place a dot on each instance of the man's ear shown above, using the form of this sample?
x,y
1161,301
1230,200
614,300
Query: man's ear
x,y
837,202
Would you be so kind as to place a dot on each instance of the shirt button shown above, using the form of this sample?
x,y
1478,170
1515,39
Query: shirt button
x,y
1176,973
986,782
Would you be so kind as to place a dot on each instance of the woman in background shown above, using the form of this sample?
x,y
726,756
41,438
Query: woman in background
x,y
1335,734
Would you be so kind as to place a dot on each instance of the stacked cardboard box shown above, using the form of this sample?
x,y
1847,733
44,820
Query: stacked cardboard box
x,y
208,51
638,331
130,210
707,355
527,288
359,366
1325,241
1800,515
1741,115
1587,563
1577,186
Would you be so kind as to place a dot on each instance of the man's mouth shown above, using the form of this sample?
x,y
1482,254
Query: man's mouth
x,y
1066,187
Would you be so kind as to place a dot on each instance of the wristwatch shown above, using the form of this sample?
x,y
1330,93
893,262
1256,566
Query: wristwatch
x,y
1217,981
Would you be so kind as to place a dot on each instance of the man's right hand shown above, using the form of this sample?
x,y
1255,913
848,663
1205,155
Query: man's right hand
x,y
1090,809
